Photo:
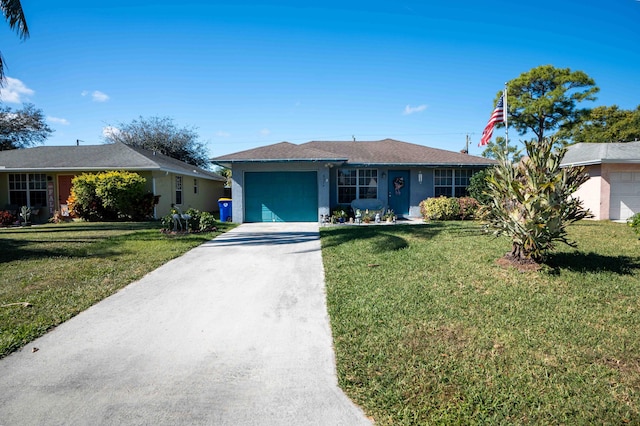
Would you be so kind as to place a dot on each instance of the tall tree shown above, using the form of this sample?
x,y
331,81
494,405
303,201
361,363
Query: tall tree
x,y
545,99
22,128
13,13
604,124
162,135
495,149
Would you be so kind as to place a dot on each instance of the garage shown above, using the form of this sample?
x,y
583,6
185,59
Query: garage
x,y
281,196
625,195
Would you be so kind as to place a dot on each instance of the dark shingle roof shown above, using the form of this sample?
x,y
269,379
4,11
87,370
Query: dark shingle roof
x,y
115,156
283,151
583,154
384,152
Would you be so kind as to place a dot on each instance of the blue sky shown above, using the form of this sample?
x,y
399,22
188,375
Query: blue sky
x,y
251,73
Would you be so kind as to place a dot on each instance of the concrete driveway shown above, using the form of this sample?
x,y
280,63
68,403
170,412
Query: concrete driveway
x,y
235,332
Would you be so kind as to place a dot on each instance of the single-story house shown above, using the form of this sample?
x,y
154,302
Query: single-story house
x,y
289,182
41,177
613,189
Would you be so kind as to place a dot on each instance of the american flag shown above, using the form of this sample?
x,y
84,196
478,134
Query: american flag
x,y
496,117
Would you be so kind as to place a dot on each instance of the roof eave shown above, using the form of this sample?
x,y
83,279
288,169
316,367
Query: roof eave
x,y
280,160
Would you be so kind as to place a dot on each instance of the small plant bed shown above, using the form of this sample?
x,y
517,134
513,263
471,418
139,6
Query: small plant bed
x,y
52,272
439,333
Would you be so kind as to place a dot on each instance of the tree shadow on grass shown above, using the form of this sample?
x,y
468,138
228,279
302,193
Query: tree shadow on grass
x,y
14,250
592,262
383,237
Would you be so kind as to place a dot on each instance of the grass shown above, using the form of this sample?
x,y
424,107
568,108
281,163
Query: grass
x,y
428,329
61,270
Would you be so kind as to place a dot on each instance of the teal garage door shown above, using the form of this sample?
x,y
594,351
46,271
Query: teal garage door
x,y
281,196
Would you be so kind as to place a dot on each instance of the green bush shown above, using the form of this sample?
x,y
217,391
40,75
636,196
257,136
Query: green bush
x,y
440,208
478,186
634,222
446,208
113,195
198,221
207,222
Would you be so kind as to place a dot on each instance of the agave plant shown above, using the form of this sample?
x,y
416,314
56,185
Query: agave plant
x,y
531,202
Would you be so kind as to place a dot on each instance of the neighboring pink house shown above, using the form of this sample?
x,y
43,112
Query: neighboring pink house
x,y
613,189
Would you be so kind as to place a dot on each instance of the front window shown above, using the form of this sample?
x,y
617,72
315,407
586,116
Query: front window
x,y
451,182
178,190
357,184
28,189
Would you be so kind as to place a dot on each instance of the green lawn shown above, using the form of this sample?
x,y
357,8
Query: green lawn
x,y
60,270
428,329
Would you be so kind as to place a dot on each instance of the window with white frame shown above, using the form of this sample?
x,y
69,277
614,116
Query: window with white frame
x,y
357,184
451,182
178,190
28,189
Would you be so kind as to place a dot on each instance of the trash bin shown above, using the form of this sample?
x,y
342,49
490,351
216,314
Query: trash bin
x,y
225,209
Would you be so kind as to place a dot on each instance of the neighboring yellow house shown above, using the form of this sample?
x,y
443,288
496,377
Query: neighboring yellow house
x,y
41,177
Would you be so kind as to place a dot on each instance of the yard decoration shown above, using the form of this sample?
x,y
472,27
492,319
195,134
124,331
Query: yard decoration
x,y
25,214
532,203
398,184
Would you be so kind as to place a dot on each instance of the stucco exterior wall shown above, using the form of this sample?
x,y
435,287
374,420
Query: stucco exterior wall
x,y
206,198
596,192
591,194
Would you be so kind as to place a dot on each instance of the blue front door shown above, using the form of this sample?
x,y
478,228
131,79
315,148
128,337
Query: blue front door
x,y
399,191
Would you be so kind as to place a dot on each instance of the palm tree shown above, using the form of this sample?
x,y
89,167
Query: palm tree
x,y
12,10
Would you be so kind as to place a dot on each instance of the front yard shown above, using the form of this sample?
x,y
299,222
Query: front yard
x,y
60,270
428,329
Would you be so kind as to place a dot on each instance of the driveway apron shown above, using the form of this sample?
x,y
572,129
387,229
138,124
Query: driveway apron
x,y
234,332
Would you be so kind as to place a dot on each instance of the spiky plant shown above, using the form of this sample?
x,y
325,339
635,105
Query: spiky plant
x,y
531,201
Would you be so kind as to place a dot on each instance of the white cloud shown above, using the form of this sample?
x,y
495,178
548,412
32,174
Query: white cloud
x,y
408,110
110,130
223,134
96,95
265,132
14,90
57,120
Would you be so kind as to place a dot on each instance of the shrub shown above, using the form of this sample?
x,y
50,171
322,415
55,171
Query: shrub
x,y
634,222
121,193
207,222
110,196
478,187
440,208
532,201
198,221
469,207
6,218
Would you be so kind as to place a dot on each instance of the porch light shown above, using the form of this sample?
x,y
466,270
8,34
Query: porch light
x,y
420,177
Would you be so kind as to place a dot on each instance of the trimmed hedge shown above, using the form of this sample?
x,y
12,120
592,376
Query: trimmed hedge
x,y
448,208
113,195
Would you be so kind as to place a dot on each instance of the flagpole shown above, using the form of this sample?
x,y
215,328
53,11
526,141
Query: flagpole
x,y
506,122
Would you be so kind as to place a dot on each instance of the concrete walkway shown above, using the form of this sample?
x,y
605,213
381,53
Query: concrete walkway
x,y
235,332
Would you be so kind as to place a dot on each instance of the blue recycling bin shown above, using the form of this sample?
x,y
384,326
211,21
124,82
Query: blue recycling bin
x,y
225,209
